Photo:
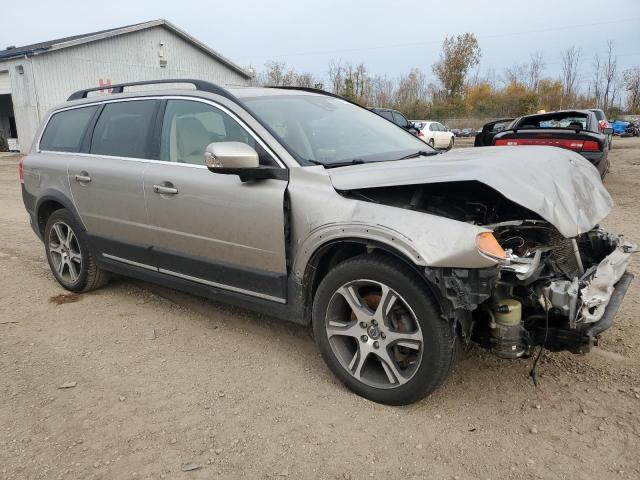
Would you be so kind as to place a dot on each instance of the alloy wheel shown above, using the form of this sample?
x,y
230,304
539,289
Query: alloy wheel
x,y
374,334
64,251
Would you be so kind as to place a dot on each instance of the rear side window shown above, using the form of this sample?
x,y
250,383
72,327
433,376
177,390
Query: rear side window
x,y
399,119
123,129
65,130
386,115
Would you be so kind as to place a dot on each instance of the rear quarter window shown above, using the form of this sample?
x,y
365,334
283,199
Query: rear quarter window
x,y
65,130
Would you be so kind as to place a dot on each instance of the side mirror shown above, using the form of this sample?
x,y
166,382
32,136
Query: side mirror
x,y
230,155
237,158
607,131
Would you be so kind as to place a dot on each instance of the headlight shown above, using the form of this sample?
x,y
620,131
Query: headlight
x,y
489,246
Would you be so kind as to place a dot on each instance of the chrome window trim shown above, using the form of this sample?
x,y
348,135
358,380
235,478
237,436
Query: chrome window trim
x,y
202,281
212,103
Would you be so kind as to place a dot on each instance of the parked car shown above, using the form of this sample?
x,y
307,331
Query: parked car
x,y
603,123
576,130
396,117
467,132
434,133
455,131
485,137
299,204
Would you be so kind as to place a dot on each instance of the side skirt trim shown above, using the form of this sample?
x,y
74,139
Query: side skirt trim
x,y
196,279
222,286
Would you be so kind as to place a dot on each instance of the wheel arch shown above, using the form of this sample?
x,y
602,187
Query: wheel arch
x,y
335,251
48,203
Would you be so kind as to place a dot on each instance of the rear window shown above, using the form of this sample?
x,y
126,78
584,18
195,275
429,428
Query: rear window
x,y
65,130
399,119
123,129
558,120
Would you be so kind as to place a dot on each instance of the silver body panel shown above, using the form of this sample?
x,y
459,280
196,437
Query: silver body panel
x,y
112,203
533,177
217,217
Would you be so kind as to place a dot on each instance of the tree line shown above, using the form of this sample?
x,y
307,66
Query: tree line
x,y
459,90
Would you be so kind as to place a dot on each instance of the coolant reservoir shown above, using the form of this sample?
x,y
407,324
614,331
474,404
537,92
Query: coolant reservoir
x,y
508,312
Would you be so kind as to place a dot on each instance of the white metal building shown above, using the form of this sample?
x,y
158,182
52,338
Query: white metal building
x,y
35,78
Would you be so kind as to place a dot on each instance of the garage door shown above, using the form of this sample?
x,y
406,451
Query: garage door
x,y
5,83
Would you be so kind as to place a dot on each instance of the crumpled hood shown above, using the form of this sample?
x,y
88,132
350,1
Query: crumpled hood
x,y
559,185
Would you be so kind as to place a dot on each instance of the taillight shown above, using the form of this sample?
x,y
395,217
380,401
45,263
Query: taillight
x,y
575,145
20,170
591,146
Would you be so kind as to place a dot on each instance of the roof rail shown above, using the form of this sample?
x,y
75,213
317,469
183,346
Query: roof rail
x,y
119,87
308,89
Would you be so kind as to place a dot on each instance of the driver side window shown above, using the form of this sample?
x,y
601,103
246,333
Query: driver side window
x,y
189,126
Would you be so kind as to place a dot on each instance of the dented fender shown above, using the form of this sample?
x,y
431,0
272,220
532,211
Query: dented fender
x,y
320,215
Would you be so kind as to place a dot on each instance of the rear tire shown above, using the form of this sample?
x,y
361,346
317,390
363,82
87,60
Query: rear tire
x,y
450,144
69,256
415,346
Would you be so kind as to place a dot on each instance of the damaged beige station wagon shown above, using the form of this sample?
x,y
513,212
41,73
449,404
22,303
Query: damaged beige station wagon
x,y
301,205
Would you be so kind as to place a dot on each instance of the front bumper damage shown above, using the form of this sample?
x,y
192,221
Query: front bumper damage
x,y
554,291
588,302
592,308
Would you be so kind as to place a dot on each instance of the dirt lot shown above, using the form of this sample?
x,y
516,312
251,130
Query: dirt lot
x,y
164,379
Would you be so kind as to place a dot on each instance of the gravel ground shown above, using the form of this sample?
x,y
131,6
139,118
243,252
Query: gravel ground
x,y
161,382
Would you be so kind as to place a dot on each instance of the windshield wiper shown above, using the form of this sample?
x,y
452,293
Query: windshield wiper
x,y
420,153
353,161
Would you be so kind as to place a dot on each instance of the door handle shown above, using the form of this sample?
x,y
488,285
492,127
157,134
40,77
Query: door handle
x,y
162,190
83,177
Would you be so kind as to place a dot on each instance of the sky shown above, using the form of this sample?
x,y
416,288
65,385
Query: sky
x,y
390,37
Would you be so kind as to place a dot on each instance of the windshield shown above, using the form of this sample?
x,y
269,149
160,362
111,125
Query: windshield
x,y
327,130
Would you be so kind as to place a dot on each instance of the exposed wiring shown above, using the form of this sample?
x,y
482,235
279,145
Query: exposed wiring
x,y
532,372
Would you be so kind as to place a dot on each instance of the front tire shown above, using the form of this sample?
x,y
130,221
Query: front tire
x,y
380,331
68,254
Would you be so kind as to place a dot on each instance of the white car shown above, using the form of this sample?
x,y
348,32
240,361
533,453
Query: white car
x,y
434,133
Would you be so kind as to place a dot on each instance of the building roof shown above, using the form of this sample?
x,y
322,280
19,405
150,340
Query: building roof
x,y
57,44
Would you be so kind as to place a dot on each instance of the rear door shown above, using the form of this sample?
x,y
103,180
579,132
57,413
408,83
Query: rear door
x,y
211,228
106,184
442,138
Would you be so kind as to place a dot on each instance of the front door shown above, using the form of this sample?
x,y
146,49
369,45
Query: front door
x,y
107,184
212,228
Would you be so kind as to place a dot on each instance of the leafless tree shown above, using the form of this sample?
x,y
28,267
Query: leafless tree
x,y
609,74
382,92
536,67
516,75
632,86
570,71
596,81
336,76
279,74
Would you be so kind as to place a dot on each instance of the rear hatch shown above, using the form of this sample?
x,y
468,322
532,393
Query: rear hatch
x,y
564,129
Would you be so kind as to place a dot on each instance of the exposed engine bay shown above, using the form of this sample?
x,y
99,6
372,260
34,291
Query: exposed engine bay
x,y
550,290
